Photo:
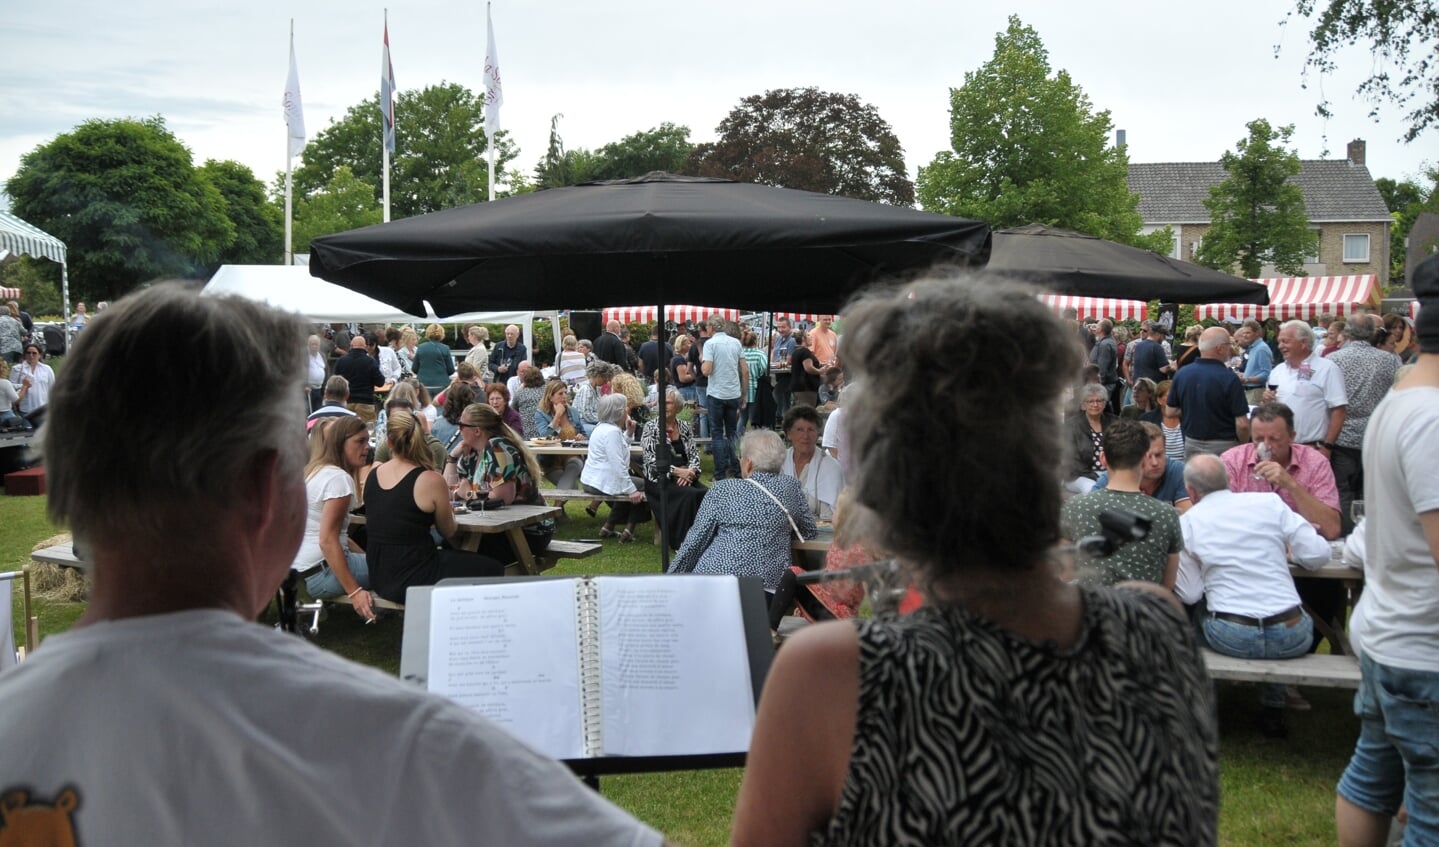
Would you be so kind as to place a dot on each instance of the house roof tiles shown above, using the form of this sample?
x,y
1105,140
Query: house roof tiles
x,y
1334,190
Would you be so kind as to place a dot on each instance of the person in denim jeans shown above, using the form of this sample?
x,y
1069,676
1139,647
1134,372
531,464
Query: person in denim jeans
x,y
727,394
1236,555
1393,629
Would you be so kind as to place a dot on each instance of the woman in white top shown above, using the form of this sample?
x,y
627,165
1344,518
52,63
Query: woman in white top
x,y
570,366
330,563
34,378
819,473
607,469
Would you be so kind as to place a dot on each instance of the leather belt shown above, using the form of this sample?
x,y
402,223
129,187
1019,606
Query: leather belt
x,y
311,570
1288,616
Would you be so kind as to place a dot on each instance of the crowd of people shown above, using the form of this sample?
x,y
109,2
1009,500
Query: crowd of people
x,y
1073,684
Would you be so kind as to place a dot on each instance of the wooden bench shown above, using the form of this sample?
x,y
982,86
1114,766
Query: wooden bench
x,y
60,554
1314,669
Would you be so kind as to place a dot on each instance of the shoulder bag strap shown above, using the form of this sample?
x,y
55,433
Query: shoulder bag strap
x,y
771,496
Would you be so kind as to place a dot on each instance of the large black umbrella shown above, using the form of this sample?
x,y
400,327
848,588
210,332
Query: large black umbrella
x,y
659,238
1073,263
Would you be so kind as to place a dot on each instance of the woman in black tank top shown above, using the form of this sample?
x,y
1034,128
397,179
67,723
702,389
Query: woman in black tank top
x,y
404,499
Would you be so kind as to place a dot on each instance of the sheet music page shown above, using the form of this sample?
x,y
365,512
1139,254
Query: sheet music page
x,y
674,666
509,652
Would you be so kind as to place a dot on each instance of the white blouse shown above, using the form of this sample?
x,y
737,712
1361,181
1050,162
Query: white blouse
x,y
822,481
608,465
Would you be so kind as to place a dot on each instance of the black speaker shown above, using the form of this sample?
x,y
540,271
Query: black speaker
x,y
587,324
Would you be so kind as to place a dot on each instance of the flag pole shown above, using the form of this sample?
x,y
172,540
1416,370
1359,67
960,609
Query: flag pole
x,y
289,167
494,97
385,131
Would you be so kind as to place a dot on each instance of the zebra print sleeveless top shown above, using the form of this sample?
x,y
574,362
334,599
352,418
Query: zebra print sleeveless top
x,y
967,734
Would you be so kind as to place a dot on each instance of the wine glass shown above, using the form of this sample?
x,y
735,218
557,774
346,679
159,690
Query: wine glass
x,y
1262,453
1356,511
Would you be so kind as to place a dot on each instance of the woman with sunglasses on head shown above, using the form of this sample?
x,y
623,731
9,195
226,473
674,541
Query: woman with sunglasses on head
x,y
491,463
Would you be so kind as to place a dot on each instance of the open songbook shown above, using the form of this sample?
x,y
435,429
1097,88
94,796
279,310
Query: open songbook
x,y
599,666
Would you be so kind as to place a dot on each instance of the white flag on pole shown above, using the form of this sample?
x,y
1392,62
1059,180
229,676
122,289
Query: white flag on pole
x,y
387,93
494,95
294,109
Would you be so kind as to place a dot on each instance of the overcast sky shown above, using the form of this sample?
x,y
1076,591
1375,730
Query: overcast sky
x,y
1182,80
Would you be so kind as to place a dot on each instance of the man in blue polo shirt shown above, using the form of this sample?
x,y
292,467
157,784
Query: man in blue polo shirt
x,y
1160,478
728,394
1215,413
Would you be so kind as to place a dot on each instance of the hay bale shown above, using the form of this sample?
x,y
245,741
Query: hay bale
x,y
52,582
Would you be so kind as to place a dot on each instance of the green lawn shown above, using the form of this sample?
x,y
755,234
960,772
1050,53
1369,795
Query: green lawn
x,y
1274,792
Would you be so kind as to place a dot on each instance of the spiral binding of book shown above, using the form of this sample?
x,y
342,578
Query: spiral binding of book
x,y
587,620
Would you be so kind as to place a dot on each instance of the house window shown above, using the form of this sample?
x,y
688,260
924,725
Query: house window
x,y
1356,248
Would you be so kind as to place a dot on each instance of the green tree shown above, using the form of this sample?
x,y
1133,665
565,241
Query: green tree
x,y
1028,147
125,197
1406,200
666,147
561,167
1403,38
440,158
811,140
346,202
1257,215
259,225
38,279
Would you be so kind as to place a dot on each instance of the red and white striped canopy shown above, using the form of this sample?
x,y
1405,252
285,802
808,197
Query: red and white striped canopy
x,y
1098,307
1302,297
9,293
681,314
678,314
797,316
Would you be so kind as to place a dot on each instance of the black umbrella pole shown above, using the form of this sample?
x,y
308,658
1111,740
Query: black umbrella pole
x,y
662,441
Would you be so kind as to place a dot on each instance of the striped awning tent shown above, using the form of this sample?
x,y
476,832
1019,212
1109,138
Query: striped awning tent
x,y
9,293
24,239
678,314
1098,307
682,314
1303,298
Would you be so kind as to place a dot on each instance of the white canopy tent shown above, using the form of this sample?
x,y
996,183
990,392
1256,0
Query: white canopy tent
x,y
25,239
291,287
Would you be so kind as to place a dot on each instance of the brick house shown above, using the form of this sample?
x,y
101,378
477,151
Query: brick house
x,y
1343,204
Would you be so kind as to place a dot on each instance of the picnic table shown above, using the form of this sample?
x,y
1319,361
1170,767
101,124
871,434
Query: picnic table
x,y
1353,579
580,449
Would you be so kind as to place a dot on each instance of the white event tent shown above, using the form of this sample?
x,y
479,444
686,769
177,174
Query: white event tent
x,y
291,287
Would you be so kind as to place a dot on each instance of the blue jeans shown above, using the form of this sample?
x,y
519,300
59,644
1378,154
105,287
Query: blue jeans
x,y
724,429
1397,755
1276,641
325,584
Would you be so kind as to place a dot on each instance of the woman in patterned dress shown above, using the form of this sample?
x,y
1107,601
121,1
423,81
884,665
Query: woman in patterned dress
x,y
1013,707
491,463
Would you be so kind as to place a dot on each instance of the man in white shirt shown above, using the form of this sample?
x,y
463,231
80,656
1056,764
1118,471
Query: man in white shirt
x,y
1234,555
1311,385
722,361
316,367
185,721
1395,626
